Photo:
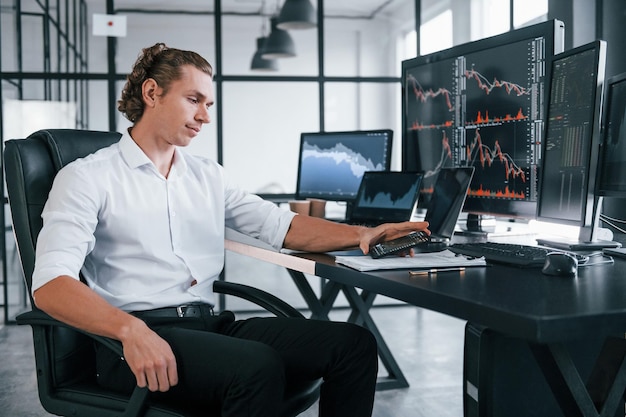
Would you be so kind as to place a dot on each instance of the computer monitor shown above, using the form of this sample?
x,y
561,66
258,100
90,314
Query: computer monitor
x,y
482,104
569,163
331,164
612,179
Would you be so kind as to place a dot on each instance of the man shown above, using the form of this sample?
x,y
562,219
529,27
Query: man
x,y
143,223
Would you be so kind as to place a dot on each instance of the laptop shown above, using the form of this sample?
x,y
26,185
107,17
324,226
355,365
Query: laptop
x,y
445,205
385,197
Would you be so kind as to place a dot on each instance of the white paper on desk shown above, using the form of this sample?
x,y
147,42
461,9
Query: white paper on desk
x,y
442,259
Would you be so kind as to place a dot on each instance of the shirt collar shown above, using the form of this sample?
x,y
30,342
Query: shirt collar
x,y
135,157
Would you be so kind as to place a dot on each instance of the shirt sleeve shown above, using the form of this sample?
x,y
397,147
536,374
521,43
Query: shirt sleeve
x,y
69,220
255,217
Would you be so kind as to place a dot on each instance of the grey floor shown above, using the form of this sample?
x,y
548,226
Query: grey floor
x,y
427,346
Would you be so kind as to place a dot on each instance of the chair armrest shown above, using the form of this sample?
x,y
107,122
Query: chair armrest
x,y
137,401
39,318
259,297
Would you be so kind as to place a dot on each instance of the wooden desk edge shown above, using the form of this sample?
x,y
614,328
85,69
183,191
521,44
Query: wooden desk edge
x,y
306,266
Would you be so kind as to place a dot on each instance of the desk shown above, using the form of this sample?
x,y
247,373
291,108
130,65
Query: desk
x,y
297,267
498,297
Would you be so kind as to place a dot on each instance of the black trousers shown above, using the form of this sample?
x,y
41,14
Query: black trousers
x,y
241,368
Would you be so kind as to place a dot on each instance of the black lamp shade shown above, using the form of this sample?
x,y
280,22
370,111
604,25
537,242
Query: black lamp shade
x,y
279,44
258,62
297,14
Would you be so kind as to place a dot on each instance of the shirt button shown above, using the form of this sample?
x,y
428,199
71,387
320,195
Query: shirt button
x,y
173,214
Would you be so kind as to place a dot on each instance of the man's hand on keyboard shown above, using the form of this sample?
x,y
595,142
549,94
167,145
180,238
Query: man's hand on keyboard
x,y
388,231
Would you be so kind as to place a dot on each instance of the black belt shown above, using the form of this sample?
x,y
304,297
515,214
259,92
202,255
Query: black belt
x,y
184,311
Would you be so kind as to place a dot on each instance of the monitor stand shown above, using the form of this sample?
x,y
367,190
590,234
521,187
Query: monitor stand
x,y
588,240
579,245
619,252
591,236
479,224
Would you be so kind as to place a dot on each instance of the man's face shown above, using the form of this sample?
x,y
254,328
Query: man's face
x,y
179,114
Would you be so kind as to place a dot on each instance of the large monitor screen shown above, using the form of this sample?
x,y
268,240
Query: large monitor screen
x,y
572,139
612,180
482,104
331,164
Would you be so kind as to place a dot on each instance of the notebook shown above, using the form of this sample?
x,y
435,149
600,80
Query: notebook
x,y
385,197
446,203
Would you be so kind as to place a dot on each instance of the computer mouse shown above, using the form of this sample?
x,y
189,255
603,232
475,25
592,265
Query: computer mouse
x,y
560,264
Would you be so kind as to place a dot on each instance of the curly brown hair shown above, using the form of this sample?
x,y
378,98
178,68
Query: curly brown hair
x,y
161,64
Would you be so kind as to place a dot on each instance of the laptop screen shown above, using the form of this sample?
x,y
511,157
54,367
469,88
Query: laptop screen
x,y
386,196
447,200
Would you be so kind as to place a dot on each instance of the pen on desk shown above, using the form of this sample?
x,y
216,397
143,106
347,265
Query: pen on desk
x,y
435,270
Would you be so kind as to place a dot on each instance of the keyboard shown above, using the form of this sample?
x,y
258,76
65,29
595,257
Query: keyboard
x,y
509,253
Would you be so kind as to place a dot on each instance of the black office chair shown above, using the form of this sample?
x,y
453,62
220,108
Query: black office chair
x,y
64,356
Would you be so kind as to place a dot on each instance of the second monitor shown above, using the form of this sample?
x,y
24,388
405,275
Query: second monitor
x,y
331,164
571,146
612,179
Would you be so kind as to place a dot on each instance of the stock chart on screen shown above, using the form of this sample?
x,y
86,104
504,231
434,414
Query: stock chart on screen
x,y
331,164
481,104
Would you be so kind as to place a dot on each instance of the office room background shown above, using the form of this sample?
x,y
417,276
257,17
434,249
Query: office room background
x,y
60,69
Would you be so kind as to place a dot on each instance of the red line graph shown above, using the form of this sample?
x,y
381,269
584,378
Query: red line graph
x,y
423,95
487,157
419,126
446,145
446,151
488,86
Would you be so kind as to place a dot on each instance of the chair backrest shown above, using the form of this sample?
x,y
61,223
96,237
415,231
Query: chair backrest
x,y
64,356
30,166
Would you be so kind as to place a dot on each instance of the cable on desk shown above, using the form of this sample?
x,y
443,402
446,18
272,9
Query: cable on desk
x,y
606,259
611,222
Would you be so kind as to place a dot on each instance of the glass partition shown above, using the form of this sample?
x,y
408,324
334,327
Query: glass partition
x,y
362,42
261,147
193,32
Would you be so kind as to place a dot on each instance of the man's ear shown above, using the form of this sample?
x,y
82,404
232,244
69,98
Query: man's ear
x,y
149,91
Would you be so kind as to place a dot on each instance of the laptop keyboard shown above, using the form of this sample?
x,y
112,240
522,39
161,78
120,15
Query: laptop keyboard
x,y
509,253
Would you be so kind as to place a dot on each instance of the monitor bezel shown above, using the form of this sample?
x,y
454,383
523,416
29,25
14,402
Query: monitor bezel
x,y
587,221
602,189
300,195
553,32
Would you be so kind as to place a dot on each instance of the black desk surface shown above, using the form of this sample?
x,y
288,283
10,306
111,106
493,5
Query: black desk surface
x,y
520,302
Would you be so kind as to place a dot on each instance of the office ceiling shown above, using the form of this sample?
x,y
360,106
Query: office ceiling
x,y
343,8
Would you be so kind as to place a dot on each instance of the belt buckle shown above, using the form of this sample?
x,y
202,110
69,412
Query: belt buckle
x,y
181,310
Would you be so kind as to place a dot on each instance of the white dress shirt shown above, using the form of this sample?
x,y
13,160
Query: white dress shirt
x,y
141,239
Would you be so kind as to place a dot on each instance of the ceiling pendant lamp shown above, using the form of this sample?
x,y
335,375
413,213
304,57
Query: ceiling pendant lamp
x,y
297,14
258,62
279,44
